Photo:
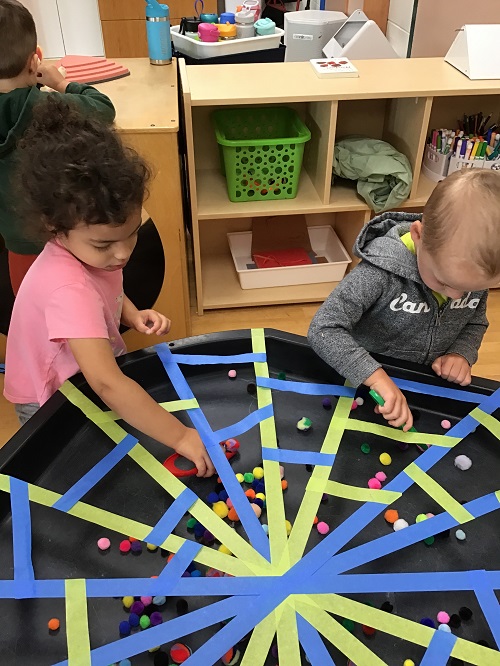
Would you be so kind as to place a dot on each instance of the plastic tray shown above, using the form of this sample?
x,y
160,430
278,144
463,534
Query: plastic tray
x,y
324,241
197,49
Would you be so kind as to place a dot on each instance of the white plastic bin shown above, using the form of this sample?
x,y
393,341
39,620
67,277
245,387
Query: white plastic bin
x,y
196,49
324,241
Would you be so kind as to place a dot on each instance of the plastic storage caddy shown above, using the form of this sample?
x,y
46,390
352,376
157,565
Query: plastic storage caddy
x,y
199,50
261,151
324,242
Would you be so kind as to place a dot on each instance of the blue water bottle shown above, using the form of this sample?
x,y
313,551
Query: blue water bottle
x,y
158,31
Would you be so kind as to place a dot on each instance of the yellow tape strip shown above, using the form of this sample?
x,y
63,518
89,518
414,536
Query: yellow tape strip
x,y
337,489
311,500
402,628
486,420
77,625
275,507
221,530
260,642
400,436
288,635
338,635
438,494
172,406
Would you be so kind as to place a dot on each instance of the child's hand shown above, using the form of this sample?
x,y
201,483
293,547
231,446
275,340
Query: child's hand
x,y
454,368
50,76
149,322
192,448
395,408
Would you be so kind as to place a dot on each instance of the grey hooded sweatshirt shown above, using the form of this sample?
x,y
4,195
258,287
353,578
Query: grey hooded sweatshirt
x,y
383,307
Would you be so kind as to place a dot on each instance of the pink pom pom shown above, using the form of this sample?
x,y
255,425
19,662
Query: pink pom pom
x,y
104,543
147,601
354,405
229,503
446,425
443,617
322,528
231,374
429,515
374,484
381,476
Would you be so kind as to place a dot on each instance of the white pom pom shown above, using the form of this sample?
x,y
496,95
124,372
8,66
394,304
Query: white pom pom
x,y
463,462
400,524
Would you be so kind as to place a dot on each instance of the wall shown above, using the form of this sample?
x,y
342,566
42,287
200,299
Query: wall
x,y
438,20
399,25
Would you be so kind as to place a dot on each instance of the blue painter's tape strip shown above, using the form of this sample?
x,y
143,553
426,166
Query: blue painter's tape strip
x,y
443,581
201,359
439,391
164,633
439,650
306,389
250,421
173,571
248,519
488,602
96,474
21,536
171,518
312,643
298,457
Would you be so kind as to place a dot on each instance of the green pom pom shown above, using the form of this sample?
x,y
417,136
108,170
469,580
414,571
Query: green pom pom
x,y
144,621
191,523
348,624
429,541
366,448
248,477
282,375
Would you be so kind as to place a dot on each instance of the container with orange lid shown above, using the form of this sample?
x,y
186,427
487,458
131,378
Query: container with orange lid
x,y
227,31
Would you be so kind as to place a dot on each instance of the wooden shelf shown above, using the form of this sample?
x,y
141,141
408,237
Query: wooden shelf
x,y
213,201
221,288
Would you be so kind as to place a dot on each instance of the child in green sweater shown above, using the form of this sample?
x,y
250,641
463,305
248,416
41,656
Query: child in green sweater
x,y
21,71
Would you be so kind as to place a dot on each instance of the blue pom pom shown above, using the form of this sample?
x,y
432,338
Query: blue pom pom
x,y
133,620
212,498
125,662
223,495
255,483
259,502
196,573
426,621
191,567
124,628
199,530
260,488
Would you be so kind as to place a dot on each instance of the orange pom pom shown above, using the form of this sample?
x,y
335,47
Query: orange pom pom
x,y
250,493
284,484
232,515
54,624
315,521
132,539
391,515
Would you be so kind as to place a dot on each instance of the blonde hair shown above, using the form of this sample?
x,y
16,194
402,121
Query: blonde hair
x,y
466,203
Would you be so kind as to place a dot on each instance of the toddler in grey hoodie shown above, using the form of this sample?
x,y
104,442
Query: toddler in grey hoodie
x,y
419,292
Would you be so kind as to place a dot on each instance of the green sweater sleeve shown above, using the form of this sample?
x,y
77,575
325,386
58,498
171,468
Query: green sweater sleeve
x,y
90,101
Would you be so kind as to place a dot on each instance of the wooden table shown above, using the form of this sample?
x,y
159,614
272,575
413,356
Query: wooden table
x,y
147,116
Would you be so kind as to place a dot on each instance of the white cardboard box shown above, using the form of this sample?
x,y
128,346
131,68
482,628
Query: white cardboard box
x,y
324,242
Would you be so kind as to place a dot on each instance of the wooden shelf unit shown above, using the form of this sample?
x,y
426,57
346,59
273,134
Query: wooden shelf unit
x,y
398,101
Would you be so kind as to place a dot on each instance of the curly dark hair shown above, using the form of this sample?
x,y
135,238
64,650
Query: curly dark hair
x,y
72,169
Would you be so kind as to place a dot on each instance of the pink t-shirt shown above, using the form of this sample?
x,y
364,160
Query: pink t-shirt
x,y
60,299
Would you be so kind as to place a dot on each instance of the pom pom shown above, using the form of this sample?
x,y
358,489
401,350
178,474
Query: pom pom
x,y
387,607
181,607
463,463
348,624
233,516
365,448
161,659
282,472
231,657
251,388
385,459
391,515
127,601
400,524
445,424
381,476
460,534
191,523
155,619
257,510
53,624
145,622
124,628
258,472
231,444
327,403
248,477
443,617
304,424
429,515
260,496
224,549
103,543
125,662
151,547
199,530
125,546
250,493
420,518
179,653
322,528
408,662
444,627
137,608
374,484
428,622
214,573
284,484
229,503
259,502
429,541
368,631
232,374
133,620
240,477
265,528
360,401
136,547
455,621
259,488
403,446
465,613
159,600
212,498
288,526
354,405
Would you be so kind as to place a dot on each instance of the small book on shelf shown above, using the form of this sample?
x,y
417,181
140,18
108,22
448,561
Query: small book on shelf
x,y
334,68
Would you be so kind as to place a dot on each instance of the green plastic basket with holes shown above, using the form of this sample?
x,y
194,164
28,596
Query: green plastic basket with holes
x,y
261,151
